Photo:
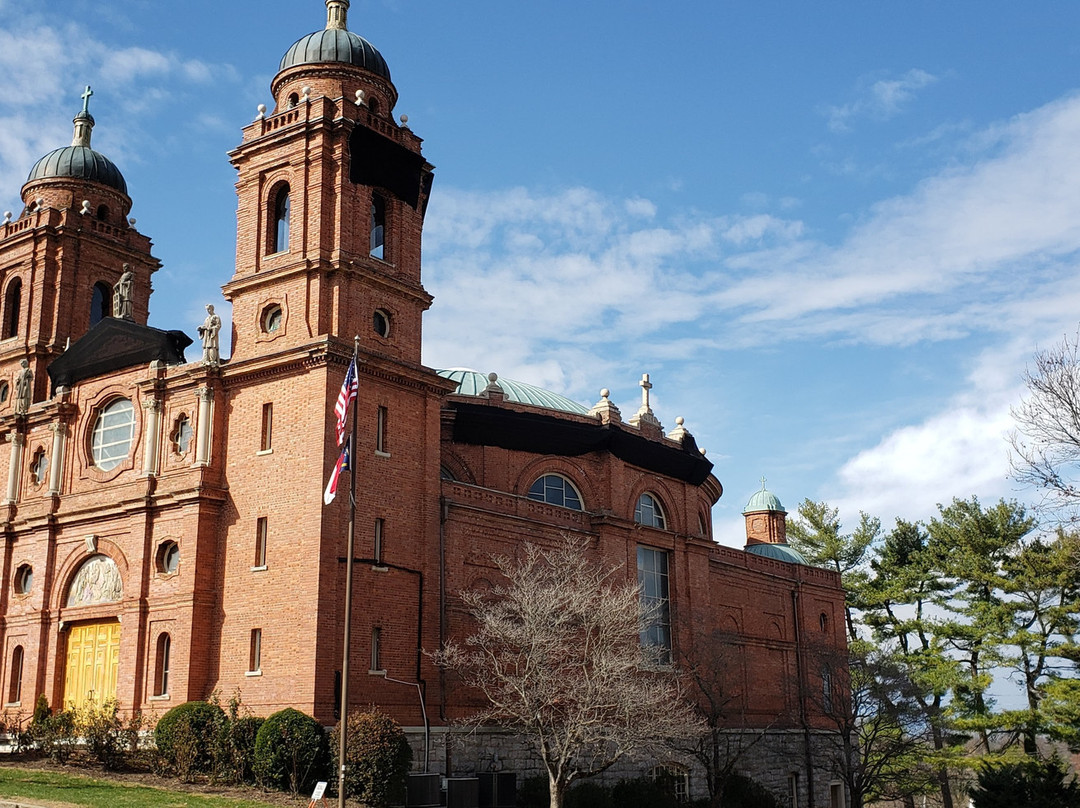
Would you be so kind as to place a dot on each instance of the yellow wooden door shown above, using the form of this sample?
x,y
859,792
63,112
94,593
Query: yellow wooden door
x,y
93,661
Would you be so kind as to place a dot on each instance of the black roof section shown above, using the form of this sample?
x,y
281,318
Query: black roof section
x,y
114,344
486,425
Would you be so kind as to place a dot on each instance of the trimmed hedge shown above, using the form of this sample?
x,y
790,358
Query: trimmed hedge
x,y
185,737
291,752
377,758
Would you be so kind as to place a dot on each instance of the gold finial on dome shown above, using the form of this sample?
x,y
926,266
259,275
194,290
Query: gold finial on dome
x,y
337,12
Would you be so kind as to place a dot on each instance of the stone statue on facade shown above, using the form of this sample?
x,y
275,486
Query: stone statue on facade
x,y
122,295
24,388
208,331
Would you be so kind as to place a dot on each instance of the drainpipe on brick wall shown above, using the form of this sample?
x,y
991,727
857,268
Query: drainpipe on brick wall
x,y
801,676
444,514
420,684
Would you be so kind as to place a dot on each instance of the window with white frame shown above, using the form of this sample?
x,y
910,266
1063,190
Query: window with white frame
x,y
554,489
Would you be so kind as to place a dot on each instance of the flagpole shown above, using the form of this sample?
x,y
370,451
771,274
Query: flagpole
x,y
343,723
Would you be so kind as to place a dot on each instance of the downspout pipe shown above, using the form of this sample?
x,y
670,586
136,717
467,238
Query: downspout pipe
x,y
800,673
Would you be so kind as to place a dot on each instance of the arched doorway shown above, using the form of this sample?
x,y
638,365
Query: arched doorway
x,y
93,647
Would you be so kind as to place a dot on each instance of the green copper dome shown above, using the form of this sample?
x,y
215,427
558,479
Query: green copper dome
x,y
335,45
764,500
777,552
472,383
79,161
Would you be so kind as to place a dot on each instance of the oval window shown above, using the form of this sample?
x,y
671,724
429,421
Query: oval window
x,y
381,323
271,319
24,579
168,557
113,433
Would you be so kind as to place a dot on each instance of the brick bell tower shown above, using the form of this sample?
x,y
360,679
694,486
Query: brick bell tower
x,y
61,257
332,194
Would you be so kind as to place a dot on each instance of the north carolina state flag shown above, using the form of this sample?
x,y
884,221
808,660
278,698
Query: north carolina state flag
x,y
344,462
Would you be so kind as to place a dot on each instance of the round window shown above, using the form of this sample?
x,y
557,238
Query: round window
x,y
113,433
24,579
271,319
381,322
168,557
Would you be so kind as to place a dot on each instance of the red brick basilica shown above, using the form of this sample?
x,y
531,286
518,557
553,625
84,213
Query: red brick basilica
x,y
164,530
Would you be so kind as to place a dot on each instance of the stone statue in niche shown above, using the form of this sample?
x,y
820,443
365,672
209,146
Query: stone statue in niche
x,y
97,581
24,388
208,331
122,295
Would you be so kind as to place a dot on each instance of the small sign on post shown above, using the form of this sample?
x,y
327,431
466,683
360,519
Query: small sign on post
x,y
317,795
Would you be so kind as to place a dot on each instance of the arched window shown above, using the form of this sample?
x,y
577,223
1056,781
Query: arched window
x,y
161,665
12,308
100,303
373,105
648,512
378,227
39,467
113,433
182,435
15,680
556,490
673,778
280,231
102,213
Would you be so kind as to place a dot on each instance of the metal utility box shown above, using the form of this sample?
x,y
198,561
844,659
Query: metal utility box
x,y
462,792
498,790
423,791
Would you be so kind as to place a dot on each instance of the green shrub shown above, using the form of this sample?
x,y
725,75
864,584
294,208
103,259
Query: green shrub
x,y
234,755
41,710
106,736
532,792
589,794
744,792
185,738
377,758
54,735
1027,783
291,752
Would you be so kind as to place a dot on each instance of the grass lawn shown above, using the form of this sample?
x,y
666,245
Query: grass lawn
x,y
75,789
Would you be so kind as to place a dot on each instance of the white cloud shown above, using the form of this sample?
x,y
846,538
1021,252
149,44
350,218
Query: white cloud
x,y
880,100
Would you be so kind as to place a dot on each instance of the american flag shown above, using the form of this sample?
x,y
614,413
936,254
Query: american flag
x,y
344,462
347,394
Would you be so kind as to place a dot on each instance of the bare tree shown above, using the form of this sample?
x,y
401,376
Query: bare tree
x,y
558,657
1046,441
712,667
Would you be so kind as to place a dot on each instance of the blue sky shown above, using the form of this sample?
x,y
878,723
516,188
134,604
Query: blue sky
x,y
833,233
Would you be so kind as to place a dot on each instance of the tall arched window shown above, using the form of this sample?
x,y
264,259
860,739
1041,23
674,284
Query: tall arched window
x,y
12,308
15,681
161,665
280,231
378,227
100,303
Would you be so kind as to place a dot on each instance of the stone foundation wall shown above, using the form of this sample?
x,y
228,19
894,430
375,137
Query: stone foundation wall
x,y
776,760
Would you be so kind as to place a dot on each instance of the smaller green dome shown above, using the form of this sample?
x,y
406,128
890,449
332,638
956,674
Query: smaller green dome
x,y
764,500
777,552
